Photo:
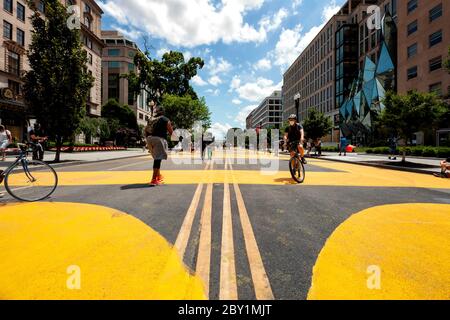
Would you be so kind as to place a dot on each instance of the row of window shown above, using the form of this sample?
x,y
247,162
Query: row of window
x,y
8,6
434,14
433,40
433,65
8,33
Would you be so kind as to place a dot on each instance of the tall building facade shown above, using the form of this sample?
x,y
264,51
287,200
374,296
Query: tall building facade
x,y
268,114
16,24
91,26
17,28
322,75
424,38
118,55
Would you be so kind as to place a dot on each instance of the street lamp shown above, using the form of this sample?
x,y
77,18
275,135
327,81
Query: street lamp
x,y
297,98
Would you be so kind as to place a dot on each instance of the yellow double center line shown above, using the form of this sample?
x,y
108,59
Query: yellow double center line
x,y
228,284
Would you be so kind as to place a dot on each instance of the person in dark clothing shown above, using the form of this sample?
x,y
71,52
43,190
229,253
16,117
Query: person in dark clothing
x,y
37,141
294,137
156,132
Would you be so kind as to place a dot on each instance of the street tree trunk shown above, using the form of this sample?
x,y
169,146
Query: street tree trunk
x,y
404,150
58,149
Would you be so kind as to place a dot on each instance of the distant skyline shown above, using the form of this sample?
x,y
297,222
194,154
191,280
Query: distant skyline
x,y
246,44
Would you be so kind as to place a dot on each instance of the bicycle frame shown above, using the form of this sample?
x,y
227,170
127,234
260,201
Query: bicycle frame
x,y
23,159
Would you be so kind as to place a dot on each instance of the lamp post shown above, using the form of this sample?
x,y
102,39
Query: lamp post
x,y
297,98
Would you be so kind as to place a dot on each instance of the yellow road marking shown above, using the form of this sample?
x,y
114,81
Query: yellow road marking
x,y
119,256
228,284
407,243
370,177
203,267
129,165
185,231
263,290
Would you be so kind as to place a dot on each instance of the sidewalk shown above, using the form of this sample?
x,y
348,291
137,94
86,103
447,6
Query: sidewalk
x,y
84,156
418,165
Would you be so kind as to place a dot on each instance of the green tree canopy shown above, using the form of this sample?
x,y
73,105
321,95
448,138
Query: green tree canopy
x,y
57,86
123,113
317,125
406,115
184,111
169,76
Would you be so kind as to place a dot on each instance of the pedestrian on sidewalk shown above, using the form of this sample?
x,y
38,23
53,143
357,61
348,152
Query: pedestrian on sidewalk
x,y
343,146
392,148
5,140
445,169
37,139
156,132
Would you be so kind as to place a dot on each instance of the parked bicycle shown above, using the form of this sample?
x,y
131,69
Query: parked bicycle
x,y
296,166
29,180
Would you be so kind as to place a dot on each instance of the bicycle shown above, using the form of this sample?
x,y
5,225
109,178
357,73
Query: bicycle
x,y
296,166
29,180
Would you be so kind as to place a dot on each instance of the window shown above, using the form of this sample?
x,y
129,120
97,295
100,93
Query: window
x,y
41,6
87,23
88,42
436,88
131,67
90,59
113,86
8,5
131,54
7,30
87,8
412,73
435,64
114,52
114,64
13,63
20,37
394,7
435,38
20,12
15,87
412,50
436,12
412,5
412,27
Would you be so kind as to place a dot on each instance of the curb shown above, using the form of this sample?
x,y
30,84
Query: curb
x,y
383,166
78,162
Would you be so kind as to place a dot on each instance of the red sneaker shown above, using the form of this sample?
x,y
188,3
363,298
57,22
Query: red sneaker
x,y
160,178
155,183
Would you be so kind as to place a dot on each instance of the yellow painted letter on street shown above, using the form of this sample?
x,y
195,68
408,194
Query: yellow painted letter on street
x,y
74,279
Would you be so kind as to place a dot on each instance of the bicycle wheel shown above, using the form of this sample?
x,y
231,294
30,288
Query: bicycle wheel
x,y
31,181
297,169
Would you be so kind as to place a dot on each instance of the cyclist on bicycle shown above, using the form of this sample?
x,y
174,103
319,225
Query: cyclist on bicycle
x,y
295,137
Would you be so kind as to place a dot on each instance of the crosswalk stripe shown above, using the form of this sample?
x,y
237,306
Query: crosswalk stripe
x,y
263,290
228,283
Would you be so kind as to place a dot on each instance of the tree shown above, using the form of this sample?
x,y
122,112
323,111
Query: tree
x,y
184,111
406,115
57,86
447,62
88,126
317,125
123,113
169,76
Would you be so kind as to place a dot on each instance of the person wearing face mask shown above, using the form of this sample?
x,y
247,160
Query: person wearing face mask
x,y
294,137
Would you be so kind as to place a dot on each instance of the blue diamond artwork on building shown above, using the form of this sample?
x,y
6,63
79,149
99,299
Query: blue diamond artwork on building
x,y
362,106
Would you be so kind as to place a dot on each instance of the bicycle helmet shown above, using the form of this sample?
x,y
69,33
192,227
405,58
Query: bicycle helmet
x,y
292,116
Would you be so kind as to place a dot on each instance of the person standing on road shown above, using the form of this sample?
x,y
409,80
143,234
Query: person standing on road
x,y
156,132
343,146
5,140
445,169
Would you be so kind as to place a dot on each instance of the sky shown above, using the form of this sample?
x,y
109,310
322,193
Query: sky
x,y
247,45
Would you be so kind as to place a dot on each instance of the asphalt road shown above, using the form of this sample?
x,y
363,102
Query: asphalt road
x,y
247,234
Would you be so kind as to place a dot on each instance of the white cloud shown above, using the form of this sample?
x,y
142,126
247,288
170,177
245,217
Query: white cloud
x,y
220,66
191,23
292,42
296,4
132,34
215,81
236,101
235,83
243,114
161,52
212,92
197,80
272,23
263,64
220,130
257,91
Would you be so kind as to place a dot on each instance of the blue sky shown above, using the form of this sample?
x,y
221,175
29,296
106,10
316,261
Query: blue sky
x,y
246,44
